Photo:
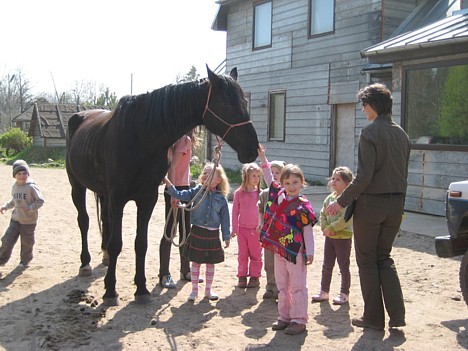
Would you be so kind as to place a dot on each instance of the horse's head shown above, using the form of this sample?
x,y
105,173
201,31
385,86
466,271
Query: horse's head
x,y
226,115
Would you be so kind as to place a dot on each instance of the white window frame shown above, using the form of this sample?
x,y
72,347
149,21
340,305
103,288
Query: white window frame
x,y
276,115
262,25
321,17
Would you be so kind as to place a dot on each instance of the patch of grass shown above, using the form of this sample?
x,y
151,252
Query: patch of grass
x,y
40,156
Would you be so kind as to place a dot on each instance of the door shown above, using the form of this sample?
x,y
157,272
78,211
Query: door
x,y
343,139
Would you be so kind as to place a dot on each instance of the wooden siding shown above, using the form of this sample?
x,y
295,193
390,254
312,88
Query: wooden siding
x,y
317,73
430,174
314,72
395,13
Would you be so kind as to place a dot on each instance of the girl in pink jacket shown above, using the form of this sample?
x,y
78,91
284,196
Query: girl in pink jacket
x,y
244,226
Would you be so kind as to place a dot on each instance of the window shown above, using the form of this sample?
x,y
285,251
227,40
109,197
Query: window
x,y
435,105
276,115
262,25
321,17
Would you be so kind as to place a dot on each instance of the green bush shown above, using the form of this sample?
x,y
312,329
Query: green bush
x,y
43,156
234,176
195,170
14,141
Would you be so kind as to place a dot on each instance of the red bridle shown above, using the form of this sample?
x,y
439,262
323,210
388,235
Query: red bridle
x,y
207,108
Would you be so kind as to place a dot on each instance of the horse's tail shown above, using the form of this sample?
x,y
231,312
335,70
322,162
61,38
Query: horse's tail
x,y
98,213
105,253
73,123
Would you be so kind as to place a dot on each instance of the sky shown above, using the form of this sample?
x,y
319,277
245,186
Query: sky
x,y
129,46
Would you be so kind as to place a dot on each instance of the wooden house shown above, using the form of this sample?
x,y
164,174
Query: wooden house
x,y
301,64
23,120
49,123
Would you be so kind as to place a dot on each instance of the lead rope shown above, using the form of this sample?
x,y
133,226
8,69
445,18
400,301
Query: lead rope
x,y
174,211
188,207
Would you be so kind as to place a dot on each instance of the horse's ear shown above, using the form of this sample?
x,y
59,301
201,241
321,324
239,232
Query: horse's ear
x,y
233,73
213,77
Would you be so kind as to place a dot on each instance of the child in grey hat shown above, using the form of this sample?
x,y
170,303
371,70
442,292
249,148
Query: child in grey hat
x,y
25,202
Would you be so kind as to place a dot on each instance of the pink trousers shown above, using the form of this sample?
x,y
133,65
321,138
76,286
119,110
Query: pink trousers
x,y
250,253
293,298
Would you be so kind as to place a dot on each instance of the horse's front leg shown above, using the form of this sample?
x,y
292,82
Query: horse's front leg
x,y
114,247
79,200
145,209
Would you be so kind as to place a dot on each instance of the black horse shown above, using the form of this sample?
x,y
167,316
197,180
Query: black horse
x,y
121,155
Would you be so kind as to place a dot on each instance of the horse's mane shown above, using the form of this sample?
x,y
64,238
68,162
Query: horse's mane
x,y
175,103
162,106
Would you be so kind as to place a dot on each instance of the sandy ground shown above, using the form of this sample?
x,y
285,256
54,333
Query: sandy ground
x,y
46,306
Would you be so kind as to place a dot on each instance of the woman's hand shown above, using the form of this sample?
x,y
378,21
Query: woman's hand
x,y
333,208
174,202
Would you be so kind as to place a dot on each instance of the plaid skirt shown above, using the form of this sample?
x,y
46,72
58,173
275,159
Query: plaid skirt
x,y
203,246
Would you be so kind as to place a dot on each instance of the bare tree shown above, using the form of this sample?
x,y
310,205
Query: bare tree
x,y
15,97
84,92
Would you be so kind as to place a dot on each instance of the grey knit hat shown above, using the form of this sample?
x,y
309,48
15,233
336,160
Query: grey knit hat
x,y
19,166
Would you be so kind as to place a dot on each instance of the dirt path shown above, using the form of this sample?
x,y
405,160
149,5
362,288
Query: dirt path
x,y
48,307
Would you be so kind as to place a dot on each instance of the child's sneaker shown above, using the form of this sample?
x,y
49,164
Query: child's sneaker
x,y
242,282
253,283
167,282
321,296
193,295
295,328
340,299
280,325
23,264
211,295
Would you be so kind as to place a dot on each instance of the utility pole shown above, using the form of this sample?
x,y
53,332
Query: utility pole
x,y
55,88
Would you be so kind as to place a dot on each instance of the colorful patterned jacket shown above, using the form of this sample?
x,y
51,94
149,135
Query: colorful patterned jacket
x,y
283,223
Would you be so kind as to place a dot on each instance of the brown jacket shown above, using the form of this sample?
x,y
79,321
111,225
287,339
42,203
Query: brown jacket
x,y
384,149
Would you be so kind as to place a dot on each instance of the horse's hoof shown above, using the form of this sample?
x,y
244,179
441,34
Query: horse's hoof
x,y
110,301
85,271
143,299
105,258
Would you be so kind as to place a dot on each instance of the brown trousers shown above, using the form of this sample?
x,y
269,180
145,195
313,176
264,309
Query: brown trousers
x,y
376,222
166,245
14,231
